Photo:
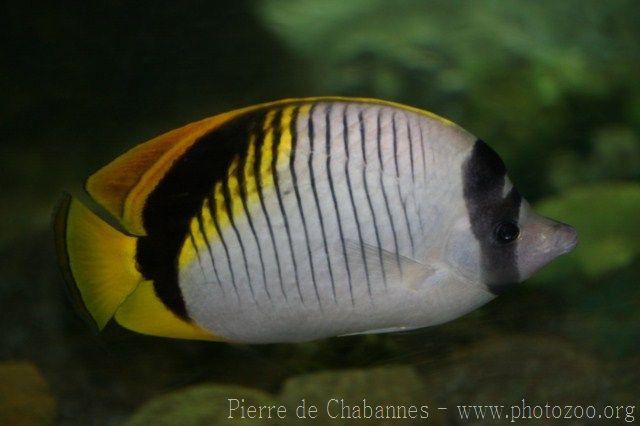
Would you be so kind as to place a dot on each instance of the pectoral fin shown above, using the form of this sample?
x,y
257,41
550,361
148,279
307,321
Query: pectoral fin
x,y
396,268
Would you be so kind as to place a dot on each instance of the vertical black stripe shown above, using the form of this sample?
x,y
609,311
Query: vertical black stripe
x,y
216,224
229,208
177,199
195,248
384,192
394,141
484,176
402,202
417,205
328,143
413,172
424,171
294,183
244,197
258,175
312,137
276,140
424,160
367,193
206,240
345,138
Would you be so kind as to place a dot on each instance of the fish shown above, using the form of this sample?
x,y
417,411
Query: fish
x,y
297,220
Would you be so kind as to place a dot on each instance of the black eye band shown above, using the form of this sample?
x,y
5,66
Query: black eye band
x,y
506,231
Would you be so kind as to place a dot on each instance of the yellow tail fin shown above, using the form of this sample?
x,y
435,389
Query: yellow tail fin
x,y
98,261
99,265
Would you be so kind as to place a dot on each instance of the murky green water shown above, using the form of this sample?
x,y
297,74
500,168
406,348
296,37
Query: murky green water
x,y
552,86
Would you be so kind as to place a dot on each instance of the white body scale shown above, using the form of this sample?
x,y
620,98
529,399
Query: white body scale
x,y
427,291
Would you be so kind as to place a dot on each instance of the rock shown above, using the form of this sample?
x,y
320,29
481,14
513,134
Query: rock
x,y
200,405
394,388
25,398
498,370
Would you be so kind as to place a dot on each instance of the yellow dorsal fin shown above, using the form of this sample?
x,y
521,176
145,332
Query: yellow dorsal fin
x,y
122,186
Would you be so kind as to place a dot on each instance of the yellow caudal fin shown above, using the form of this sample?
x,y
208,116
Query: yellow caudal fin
x,y
98,261
99,264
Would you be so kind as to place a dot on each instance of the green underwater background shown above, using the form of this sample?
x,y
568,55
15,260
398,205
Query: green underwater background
x,y
552,86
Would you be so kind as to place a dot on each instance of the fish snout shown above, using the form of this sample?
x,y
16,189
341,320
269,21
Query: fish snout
x,y
542,241
566,237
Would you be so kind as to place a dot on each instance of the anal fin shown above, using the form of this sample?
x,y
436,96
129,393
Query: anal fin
x,y
144,313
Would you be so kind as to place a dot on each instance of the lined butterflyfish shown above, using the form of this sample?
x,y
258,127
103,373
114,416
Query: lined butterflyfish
x,y
298,220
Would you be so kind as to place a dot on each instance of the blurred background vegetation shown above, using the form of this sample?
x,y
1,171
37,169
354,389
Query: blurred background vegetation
x,y
552,86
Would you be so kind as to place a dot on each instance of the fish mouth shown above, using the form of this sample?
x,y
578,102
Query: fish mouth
x,y
566,238
546,241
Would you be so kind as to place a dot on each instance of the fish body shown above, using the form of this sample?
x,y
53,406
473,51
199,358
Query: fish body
x,y
299,220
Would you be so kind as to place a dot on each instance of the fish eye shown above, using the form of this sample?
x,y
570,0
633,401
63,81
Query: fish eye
x,y
506,231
